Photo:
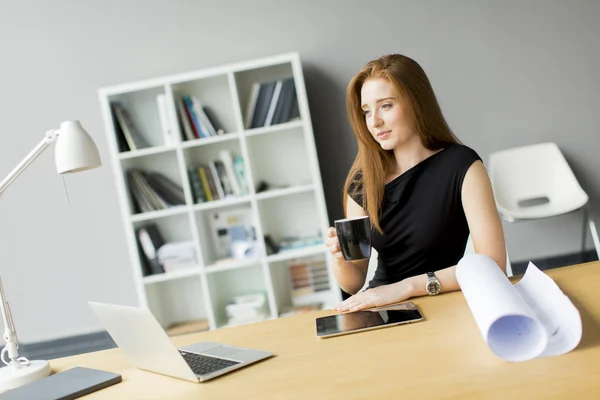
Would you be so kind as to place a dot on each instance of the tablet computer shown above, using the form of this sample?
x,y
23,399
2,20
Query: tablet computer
x,y
373,318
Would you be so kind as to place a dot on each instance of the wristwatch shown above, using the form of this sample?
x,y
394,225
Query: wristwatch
x,y
433,285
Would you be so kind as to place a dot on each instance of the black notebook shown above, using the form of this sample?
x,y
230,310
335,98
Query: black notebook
x,y
65,385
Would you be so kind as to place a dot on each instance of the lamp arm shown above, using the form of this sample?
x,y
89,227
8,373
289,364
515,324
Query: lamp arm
x,y
10,333
50,137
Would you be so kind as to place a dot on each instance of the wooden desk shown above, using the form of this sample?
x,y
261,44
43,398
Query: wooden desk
x,y
442,357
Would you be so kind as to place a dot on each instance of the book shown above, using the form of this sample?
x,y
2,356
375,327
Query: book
x,y
135,140
206,179
121,141
169,136
207,128
227,160
240,173
273,103
251,105
184,119
150,240
287,98
213,120
166,188
530,319
263,103
198,194
199,132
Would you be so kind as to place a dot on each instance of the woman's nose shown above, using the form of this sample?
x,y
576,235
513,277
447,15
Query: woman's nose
x,y
377,121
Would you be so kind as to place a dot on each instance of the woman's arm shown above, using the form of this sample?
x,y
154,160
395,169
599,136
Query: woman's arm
x,y
486,233
482,215
350,275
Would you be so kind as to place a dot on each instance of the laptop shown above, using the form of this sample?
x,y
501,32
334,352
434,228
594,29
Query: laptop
x,y
145,343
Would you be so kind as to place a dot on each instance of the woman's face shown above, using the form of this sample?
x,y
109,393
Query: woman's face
x,y
384,114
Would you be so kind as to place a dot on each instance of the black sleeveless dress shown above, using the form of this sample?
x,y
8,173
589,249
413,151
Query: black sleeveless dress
x,y
425,227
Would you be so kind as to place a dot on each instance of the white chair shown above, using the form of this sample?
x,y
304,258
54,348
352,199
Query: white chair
x,y
535,181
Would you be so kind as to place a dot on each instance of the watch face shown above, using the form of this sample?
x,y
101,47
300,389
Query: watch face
x,y
433,287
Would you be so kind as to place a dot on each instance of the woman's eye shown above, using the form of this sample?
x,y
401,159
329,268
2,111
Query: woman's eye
x,y
365,112
386,105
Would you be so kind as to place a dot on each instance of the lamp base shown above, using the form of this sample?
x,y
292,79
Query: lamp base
x,y
15,376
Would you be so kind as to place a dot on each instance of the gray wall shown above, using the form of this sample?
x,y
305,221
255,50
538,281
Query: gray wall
x,y
507,73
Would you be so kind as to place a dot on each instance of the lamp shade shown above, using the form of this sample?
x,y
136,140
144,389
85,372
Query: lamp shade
x,y
75,149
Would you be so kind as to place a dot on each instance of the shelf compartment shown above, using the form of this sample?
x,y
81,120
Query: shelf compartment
x,y
177,301
291,217
279,159
223,286
300,282
165,164
248,83
212,92
216,171
216,228
172,229
142,108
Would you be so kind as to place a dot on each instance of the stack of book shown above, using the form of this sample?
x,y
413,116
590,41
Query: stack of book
x,y
218,179
177,255
153,191
246,309
308,277
271,103
159,256
197,120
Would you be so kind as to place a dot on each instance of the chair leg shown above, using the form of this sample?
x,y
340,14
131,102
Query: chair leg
x,y
594,233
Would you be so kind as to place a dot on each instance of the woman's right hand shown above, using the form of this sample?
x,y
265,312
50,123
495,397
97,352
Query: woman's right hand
x,y
333,243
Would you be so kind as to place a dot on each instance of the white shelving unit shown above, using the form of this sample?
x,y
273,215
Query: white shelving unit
x,y
284,155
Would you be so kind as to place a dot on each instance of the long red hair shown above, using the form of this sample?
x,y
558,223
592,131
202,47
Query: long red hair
x,y
372,164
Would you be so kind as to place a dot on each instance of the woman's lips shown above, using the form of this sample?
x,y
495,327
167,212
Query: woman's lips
x,y
383,135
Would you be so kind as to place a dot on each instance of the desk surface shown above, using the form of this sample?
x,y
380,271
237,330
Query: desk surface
x,y
442,357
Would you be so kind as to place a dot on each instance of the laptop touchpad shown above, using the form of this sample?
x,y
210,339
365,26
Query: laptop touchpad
x,y
222,351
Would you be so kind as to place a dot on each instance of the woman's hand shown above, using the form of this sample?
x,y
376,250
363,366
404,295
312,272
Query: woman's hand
x,y
376,297
333,243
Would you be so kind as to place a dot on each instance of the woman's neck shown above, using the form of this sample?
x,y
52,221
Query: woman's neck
x,y
408,155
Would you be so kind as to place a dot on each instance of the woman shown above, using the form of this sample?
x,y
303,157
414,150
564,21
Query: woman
x,y
423,191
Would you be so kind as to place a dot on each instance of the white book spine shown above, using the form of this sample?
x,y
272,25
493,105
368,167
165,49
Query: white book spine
x,y
168,134
273,104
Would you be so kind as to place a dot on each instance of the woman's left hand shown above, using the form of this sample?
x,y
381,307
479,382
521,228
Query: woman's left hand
x,y
376,297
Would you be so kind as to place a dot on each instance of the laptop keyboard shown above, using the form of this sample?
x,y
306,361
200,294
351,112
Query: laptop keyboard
x,y
203,365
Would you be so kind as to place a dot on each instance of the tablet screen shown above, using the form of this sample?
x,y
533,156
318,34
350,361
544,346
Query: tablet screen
x,y
356,321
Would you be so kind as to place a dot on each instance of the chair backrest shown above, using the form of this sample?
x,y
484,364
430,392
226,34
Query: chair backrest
x,y
535,173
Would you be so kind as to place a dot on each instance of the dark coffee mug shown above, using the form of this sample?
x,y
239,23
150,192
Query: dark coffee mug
x,y
354,235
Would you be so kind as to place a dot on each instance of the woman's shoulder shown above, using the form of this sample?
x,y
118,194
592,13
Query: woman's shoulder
x,y
461,154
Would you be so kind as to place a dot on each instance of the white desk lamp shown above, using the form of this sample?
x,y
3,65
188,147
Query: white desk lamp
x,y
75,152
